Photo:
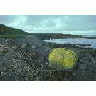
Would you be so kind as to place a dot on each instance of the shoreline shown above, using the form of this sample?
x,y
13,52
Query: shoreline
x,y
79,46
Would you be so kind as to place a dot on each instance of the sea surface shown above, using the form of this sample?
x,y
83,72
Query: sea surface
x,y
74,41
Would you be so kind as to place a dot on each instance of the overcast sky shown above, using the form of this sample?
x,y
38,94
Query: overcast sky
x,y
68,24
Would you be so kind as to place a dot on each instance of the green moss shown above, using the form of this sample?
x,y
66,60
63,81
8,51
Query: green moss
x,y
62,58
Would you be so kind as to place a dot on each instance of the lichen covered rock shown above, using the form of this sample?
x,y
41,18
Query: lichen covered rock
x,y
62,58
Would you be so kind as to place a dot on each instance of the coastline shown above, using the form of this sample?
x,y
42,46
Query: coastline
x,y
28,61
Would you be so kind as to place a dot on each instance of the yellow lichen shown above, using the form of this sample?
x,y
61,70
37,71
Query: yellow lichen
x,y
62,58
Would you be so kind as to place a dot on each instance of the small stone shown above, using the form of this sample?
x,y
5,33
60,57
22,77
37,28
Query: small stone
x,y
46,63
74,74
33,46
2,73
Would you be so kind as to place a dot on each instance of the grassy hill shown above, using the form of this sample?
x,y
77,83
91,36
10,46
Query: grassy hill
x,y
9,32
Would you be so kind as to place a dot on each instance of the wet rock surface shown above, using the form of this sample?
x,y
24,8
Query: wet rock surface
x,y
27,60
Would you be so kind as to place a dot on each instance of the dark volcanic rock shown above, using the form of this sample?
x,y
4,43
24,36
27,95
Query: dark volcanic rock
x,y
23,63
33,41
83,75
27,60
86,70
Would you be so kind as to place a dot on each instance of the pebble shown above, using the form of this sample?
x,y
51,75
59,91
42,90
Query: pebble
x,y
74,74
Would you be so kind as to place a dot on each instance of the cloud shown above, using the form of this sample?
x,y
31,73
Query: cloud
x,y
5,19
38,23
87,32
19,22
51,23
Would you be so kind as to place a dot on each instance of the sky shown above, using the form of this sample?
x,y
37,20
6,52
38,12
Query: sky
x,y
66,24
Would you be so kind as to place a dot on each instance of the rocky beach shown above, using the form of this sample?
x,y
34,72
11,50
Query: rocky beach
x,y
26,59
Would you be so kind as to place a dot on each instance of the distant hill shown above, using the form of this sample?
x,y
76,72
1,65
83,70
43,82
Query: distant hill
x,y
6,31
44,36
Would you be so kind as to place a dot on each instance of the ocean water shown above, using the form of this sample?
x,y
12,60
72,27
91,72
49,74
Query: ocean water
x,y
74,41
